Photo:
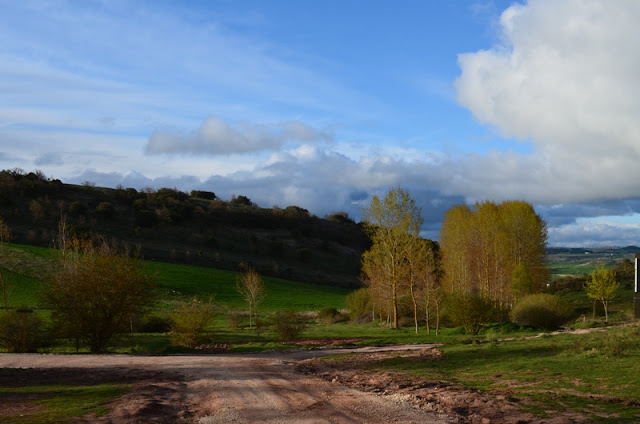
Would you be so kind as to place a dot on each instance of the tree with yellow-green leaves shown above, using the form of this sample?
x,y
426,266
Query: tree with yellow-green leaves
x,y
393,223
602,287
483,245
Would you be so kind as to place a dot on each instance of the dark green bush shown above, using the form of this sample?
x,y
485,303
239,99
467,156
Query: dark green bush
x,y
542,311
289,324
471,311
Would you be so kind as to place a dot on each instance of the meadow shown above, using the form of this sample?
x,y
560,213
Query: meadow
x,y
591,374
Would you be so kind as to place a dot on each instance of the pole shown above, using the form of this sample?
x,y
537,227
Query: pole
x,y
636,294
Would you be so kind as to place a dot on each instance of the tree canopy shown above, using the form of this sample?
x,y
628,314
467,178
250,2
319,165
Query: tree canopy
x,y
483,245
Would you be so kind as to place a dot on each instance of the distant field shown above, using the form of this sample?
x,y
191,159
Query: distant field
x,y
574,262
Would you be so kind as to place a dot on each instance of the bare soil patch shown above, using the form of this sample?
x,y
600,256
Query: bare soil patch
x,y
212,389
443,397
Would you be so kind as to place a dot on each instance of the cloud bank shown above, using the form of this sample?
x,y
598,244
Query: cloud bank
x,y
216,137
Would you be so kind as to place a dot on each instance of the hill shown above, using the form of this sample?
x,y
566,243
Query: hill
x,y
193,228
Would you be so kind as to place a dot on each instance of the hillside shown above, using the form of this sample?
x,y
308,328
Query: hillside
x,y
195,229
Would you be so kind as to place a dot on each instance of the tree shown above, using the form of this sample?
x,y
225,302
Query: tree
x,y
602,287
393,224
482,246
96,294
521,283
250,286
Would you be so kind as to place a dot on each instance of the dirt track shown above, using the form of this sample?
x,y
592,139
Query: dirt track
x,y
217,389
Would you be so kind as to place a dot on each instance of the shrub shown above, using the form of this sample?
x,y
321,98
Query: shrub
x,y
21,332
289,324
331,315
235,319
156,324
471,311
190,322
106,210
541,310
358,303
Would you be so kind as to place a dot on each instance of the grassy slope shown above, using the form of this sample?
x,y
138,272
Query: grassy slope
x,y
26,267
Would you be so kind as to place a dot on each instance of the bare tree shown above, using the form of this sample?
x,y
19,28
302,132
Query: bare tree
x,y
250,286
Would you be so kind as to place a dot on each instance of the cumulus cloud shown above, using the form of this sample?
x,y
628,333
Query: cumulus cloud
x,y
217,137
565,79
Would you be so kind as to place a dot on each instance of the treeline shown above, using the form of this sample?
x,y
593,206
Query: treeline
x,y
490,256
483,246
195,228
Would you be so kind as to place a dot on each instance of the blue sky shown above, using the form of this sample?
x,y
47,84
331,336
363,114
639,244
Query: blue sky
x,y
323,104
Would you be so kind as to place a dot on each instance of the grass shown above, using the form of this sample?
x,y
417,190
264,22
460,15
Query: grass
x,y
60,403
592,374
181,282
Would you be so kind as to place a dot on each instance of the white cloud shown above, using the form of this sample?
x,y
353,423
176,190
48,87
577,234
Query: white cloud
x,y
595,233
565,79
216,137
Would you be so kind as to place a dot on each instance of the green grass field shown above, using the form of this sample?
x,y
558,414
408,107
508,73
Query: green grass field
x,y
593,374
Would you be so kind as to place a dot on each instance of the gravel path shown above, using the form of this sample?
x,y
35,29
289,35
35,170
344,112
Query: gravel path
x,y
218,388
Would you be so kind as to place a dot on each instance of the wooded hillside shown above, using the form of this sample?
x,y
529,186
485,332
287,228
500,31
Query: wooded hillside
x,y
192,228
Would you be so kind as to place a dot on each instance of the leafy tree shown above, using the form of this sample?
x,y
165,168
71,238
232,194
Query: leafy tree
x,y
482,246
241,201
97,292
521,283
250,286
202,194
106,210
602,287
394,226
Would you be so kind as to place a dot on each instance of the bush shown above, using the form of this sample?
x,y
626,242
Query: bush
x,y
471,311
190,322
330,315
358,303
235,319
156,324
21,332
289,324
542,311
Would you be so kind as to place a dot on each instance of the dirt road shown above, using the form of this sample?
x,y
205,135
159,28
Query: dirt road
x,y
217,389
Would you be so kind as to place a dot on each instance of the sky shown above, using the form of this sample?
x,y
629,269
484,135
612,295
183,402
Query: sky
x,y
322,105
